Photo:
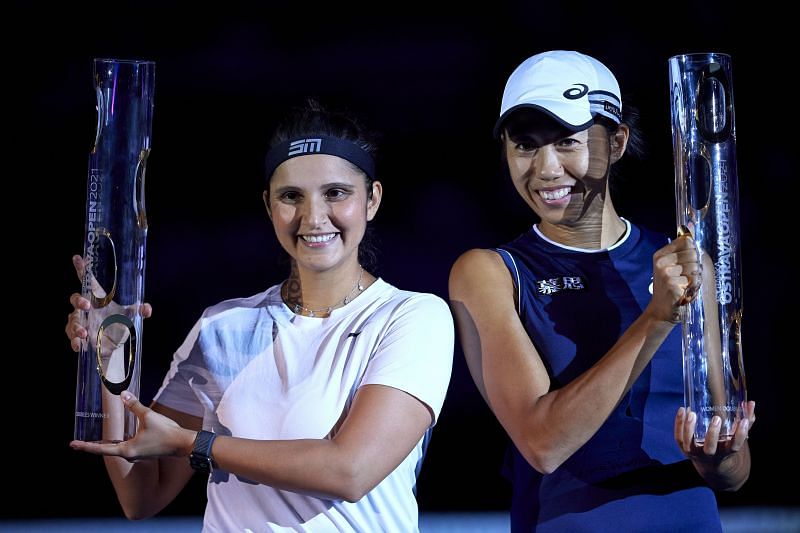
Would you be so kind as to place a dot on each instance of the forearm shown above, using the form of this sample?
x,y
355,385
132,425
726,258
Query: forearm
x,y
318,467
563,420
382,426
146,486
728,474
137,486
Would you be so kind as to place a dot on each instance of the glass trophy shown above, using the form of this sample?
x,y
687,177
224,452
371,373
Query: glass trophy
x,y
114,250
707,206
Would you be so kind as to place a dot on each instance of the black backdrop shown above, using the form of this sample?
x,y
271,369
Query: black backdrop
x,y
430,79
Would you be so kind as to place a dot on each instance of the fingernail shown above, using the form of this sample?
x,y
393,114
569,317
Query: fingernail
x,y
716,421
126,396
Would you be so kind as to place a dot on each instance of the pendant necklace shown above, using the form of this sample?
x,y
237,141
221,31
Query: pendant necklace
x,y
357,289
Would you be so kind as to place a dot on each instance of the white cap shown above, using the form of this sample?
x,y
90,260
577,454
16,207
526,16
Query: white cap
x,y
569,86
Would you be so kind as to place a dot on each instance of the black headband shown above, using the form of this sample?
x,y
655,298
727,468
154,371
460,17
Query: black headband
x,y
320,145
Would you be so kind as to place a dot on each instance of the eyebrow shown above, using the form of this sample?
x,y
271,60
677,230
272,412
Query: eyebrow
x,y
539,139
331,185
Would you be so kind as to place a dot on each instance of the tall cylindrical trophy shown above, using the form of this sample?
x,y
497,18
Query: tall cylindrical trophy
x,y
707,205
114,249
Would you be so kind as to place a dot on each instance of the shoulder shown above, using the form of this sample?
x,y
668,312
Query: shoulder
x,y
475,266
476,259
423,302
265,298
414,316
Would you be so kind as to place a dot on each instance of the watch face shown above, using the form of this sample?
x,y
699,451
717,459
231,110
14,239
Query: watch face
x,y
200,463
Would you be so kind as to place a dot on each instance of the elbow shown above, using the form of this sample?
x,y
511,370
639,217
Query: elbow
x,y
544,458
354,491
354,483
134,514
135,509
541,463
353,495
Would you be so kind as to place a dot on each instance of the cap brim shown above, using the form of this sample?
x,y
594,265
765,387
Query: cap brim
x,y
574,120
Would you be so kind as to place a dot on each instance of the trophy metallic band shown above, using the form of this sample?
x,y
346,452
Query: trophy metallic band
x,y
320,145
130,349
90,281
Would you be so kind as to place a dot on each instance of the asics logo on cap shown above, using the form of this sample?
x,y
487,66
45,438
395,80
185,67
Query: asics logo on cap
x,y
576,92
302,146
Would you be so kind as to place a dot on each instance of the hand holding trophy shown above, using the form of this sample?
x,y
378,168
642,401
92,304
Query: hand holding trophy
x,y
112,269
707,205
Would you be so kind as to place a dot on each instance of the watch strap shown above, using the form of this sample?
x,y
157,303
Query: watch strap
x,y
200,458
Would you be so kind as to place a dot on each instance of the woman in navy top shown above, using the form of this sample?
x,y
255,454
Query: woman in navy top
x,y
569,329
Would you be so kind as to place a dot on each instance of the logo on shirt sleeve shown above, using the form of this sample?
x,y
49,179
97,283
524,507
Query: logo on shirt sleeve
x,y
562,283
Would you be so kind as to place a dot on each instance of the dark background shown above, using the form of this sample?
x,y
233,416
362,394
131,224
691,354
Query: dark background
x,y
430,79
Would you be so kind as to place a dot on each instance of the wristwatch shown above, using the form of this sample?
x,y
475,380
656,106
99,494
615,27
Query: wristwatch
x,y
200,458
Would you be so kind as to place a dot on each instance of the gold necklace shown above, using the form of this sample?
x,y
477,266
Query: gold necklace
x,y
300,309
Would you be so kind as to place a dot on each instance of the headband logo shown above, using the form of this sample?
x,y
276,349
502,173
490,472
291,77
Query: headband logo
x,y
304,146
576,92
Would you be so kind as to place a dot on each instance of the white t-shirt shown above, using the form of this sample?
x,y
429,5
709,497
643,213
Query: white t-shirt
x,y
251,368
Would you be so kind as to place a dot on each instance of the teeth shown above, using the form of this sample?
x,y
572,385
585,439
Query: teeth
x,y
555,195
318,238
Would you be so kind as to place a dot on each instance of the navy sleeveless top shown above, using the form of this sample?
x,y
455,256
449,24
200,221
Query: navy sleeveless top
x,y
631,475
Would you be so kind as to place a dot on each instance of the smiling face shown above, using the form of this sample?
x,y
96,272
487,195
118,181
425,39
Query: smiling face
x,y
563,175
320,206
